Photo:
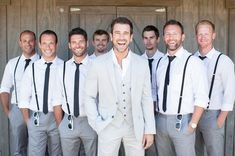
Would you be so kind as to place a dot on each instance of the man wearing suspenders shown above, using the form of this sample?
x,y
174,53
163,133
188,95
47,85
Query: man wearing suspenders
x,y
11,79
68,98
182,93
36,96
221,79
151,39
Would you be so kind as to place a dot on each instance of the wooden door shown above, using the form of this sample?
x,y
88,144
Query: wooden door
x,y
100,17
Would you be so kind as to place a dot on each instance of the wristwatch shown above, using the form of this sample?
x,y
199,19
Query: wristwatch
x,y
193,125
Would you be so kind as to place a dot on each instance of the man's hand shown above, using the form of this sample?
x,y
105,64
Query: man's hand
x,y
147,140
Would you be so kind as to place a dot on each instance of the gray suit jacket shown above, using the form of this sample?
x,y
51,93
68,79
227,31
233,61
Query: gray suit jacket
x,y
101,82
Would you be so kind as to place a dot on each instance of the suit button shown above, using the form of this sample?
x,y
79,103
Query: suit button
x,y
124,107
124,100
123,92
124,115
116,103
112,116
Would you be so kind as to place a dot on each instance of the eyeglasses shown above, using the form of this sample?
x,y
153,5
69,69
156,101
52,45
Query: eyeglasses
x,y
178,122
70,125
36,118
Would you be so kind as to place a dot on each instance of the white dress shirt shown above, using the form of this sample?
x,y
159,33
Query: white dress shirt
x,y
59,94
125,64
8,76
27,95
195,92
155,58
93,56
223,92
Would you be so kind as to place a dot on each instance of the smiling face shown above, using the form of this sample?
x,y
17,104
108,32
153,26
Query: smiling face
x,y
173,38
48,46
205,37
100,42
121,37
27,43
78,45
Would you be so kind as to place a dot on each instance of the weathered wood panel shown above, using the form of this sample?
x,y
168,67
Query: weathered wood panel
x,y
119,3
4,141
13,28
230,3
28,17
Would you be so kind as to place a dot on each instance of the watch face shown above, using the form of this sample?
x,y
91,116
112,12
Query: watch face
x,y
193,125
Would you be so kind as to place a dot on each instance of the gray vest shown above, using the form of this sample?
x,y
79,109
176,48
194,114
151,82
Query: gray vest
x,y
124,110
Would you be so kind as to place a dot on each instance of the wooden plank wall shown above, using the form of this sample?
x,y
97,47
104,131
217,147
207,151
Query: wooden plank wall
x,y
38,15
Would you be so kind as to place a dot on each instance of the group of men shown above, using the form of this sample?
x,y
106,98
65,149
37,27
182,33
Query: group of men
x,y
154,104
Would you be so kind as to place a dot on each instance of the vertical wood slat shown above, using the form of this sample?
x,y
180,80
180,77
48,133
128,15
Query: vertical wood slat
x,y
28,15
4,141
13,28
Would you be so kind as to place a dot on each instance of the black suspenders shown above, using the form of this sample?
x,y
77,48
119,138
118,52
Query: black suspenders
x,y
213,78
65,93
15,79
182,85
35,90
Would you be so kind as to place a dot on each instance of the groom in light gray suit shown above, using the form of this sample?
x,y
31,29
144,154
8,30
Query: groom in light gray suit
x,y
121,81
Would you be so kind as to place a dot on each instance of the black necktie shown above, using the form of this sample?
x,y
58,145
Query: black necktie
x,y
167,81
202,57
26,63
76,90
150,67
46,86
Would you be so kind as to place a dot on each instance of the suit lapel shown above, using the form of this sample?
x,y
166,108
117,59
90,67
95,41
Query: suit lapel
x,y
134,71
111,73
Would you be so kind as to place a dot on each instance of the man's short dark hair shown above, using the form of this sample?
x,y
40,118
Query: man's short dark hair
x,y
28,31
48,32
174,22
78,31
100,32
151,28
122,20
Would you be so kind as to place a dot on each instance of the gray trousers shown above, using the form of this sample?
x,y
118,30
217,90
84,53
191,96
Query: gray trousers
x,y
46,134
171,142
210,135
18,131
81,133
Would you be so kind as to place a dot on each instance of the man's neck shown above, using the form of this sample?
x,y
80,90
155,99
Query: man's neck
x,y
26,55
205,50
120,56
151,53
80,58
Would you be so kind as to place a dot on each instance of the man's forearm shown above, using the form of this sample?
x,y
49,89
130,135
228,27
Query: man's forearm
x,y
5,99
198,111
58,114
25,112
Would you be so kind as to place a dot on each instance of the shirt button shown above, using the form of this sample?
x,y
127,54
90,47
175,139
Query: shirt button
x,y
116,103
124,115
124,100
123,85
123,92
112,116
124,107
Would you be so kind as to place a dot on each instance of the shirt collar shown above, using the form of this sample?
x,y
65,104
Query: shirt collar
x,y
179,52
84,61
209,54
34,57
42,60
127,58
155,56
